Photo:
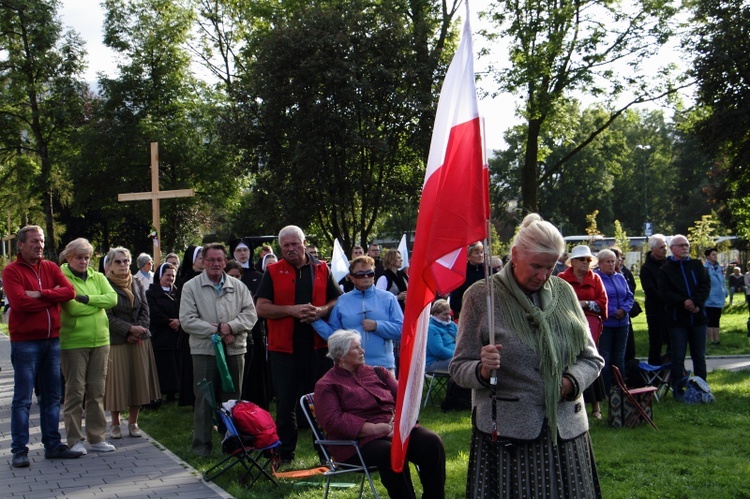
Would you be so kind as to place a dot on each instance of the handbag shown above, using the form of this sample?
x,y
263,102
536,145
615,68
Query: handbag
x,y
636,310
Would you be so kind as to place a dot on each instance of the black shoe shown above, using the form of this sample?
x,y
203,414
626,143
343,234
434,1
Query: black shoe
x,y
287,458
20,460
62,452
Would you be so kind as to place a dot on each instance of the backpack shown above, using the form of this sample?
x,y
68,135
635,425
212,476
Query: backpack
x,y
697,390
255,422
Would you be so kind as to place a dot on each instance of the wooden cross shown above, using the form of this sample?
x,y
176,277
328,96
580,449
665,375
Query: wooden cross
x,y
8,238
155,195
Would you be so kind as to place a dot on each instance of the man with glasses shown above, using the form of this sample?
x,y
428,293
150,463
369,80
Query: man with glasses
x,y
655,312
684,285
214,303
293,293
35,289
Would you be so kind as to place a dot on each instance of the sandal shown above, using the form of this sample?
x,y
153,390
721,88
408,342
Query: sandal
x,y
597,414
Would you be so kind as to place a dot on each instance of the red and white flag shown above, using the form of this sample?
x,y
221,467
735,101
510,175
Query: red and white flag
x,y
453,213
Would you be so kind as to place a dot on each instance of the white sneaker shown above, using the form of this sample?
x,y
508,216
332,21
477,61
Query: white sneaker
x,y
102,446
78,447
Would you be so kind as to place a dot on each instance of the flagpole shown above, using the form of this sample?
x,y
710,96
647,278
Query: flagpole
x,y
490,287
488,258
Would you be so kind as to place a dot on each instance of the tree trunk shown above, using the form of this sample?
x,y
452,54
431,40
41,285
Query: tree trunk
x,y
529,171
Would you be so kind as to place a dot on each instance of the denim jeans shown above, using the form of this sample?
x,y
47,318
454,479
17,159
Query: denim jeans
x,y
31,359
680,338
612,344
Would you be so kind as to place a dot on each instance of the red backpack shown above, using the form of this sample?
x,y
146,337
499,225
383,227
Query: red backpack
x,y
254,421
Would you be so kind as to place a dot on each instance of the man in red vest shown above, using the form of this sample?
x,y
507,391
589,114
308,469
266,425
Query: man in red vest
x,y
294,292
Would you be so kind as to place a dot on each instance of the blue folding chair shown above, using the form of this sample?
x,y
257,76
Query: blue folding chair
x,y
239,450
657,376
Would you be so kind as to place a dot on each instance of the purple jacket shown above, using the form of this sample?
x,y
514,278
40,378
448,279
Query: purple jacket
x,y
618,296
344,402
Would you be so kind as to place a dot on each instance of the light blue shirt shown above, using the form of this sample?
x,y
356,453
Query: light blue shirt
x,y
376,304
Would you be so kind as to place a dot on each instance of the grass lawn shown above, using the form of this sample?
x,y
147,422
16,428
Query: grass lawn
x,y
698,452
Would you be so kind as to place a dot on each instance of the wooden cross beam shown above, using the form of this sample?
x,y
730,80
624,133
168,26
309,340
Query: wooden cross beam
x,y
155,195
9,237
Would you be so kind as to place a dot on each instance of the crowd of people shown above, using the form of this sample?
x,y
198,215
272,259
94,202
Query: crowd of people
x,y
281,327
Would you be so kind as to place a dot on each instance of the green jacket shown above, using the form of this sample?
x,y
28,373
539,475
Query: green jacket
x,y
86,325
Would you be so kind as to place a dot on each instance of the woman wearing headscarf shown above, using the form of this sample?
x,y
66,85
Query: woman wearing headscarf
x,y
164,312
132,379
530,435
192,265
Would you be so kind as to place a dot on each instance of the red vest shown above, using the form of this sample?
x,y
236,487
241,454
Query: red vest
x,y
283,275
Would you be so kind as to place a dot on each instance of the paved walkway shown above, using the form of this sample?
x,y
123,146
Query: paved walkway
x,y
140,467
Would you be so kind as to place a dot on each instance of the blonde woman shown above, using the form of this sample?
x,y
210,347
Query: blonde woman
x,y
84,348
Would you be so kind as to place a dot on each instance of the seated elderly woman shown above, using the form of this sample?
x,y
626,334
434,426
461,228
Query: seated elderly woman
x,y
355,401
441,337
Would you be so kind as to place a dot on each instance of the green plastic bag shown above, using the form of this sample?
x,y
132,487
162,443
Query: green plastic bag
x,y
227,385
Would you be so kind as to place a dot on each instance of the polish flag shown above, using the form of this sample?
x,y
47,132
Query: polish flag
x,y
453,213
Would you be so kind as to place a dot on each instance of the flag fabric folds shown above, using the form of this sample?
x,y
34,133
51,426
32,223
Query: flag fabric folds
x,y
453,213
404,250
339,261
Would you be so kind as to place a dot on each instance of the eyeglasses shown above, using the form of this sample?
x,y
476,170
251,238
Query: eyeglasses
x,y
362,275
122,262
682,245
583,259
215,260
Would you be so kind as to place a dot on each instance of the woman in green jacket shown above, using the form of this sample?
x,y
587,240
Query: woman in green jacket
x,y
84,348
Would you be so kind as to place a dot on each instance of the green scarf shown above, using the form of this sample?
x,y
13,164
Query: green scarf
x,y
555,332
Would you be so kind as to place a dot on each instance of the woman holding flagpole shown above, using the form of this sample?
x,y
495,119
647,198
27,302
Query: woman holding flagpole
x,y
530,431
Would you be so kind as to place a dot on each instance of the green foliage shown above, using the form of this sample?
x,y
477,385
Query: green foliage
x,y
559,48
625,172
621,237
153,98
41,104
720,41
591,228
332,90
702,235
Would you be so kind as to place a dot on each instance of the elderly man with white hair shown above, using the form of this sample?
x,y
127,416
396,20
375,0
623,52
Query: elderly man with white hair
x,y
293,293
655,313
685,285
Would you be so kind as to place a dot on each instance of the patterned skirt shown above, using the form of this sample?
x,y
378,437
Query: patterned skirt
x,y
132,378
534,469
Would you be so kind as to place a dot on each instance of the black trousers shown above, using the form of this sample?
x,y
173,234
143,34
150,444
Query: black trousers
x,y
657,336
293,375
425,450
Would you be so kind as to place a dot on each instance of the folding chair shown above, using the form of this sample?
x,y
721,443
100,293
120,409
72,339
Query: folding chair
x,y
307,403
640,398
657,376
239,450
237,447
436,381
